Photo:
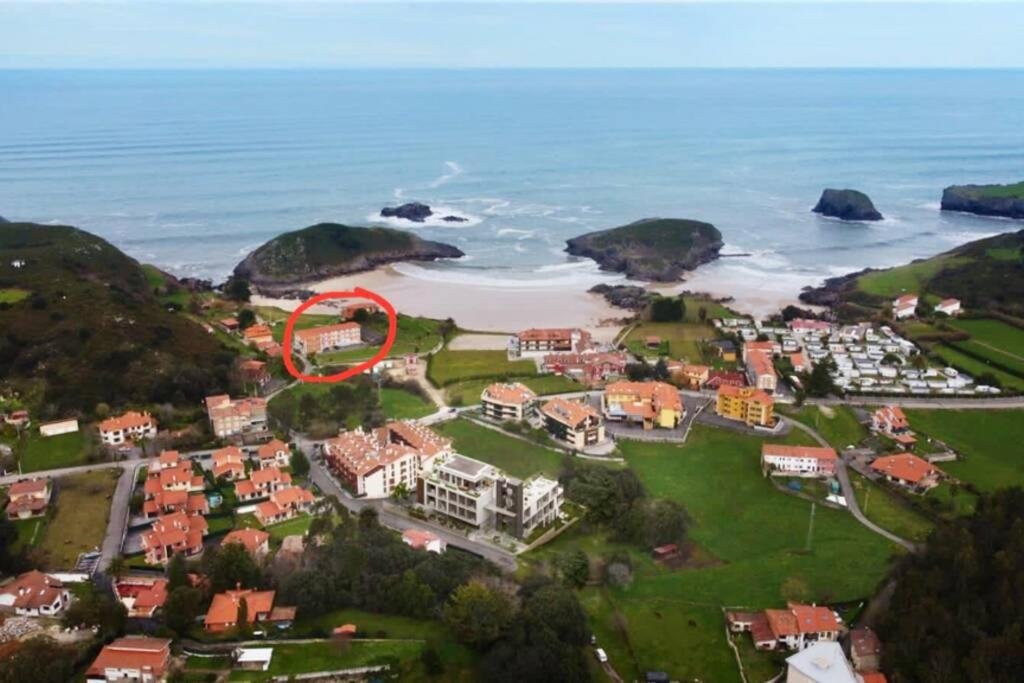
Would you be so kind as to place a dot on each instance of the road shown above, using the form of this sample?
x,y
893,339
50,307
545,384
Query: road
x,y
63,471
117,522
849,494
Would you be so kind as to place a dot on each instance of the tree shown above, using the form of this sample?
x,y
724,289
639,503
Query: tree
x,y
40,660
368,519
99,609
246,318
181,608
237,289
661,369
117,567
243,616
818,382
299,463
575,568
431,660
667,309
478,615
231,565
702,313
177,572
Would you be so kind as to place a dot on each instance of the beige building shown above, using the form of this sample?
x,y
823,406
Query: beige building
x,y
319,339
572,423
503,401
229,417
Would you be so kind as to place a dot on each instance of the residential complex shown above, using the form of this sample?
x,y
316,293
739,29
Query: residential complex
x,y
229,463
798,461
587,368
651,404
116,431
536,343
749,405
229,417
255,541
503,401
572,423
760,370
261,483
284,504
794,628
320,339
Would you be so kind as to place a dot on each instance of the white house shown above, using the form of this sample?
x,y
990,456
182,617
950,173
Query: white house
x,y
948,306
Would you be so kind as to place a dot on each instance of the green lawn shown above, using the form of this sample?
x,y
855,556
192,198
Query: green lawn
x,y
672,620
468,393
837,424
328,656
888,511
50,452
12,295
905,279
399,404
79,521
989,440
517,457
994,339
413,335
975,367
447,366
682,339
30,532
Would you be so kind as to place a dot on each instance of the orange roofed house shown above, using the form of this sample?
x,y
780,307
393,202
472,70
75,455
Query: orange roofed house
x,y
172,486
749,405
115,431
509,401
589,368
229,417
374,463
274,453
35,594
223,612
892,421
652,404
27,499
176,533
908,471
540,342
284,504
256,541
794,628
262,483
799,461
573,423
229,463
142,596
132,658
258,334
319,339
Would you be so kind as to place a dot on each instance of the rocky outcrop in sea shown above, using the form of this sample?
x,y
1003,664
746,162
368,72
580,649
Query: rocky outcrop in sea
x,y
848,205
416,212
1005,201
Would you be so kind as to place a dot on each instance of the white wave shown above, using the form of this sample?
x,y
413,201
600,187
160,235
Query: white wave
x,y
519,248
963,236
434,221
454,170
526,279
519,234
931,206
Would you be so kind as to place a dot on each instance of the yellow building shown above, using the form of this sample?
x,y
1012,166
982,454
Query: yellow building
x,y
746,404
649,403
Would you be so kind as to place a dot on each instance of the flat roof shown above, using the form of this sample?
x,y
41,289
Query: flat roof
x,y
467,466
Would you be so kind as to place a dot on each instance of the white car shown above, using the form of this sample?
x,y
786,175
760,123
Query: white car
x,y
601,655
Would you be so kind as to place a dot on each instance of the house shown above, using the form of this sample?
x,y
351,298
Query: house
x,y
271,348
254,372
374,463
229,324
648,403
284,504
229,463
822,662
142,596
169,473
166,459
256,541
421,539
175,533
17,418
865,649
253,658
769,348
318,339
274,453
749,405
799,461
575,424
169,502
349,312
507,401
540,342
258,334
480,495
799,361
589,367
794,628
692,376
760,370
719,378
905,306
67,426
132,658
27,499
948,306
892,421
35,594
908,471
115,431
229,417
262,483
725,348
223,612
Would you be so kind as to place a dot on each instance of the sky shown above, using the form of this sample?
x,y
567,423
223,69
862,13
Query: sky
x,y
531,34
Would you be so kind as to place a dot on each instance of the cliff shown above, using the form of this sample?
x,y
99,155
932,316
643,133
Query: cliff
x,y
849,205
330,249
1006,201
658,249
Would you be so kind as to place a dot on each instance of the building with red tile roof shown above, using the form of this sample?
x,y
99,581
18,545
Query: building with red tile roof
x,y
804,325
792,628
284,504
223,612
256,541
719,378
589,368
349,312
749,405
892,421
648,403
575,424
262,483
538,342
907,470
507,400
132,425
274,453
324,337
142,596
421,539
175,533
229,417
948,307
35,594
169,502
253,372
132,658
865,649
799,461
27,499
229,463
760,369
258,333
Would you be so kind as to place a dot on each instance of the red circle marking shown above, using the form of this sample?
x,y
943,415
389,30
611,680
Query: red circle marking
x,y
357,293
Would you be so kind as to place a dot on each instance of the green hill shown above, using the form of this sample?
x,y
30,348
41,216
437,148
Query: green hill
x,y
85,327
330,249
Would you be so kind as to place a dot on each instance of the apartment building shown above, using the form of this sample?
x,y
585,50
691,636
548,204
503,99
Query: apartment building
x,y
749,405
651,404
324,337
798,461
229,417
536,342
507,401
589,368
572,423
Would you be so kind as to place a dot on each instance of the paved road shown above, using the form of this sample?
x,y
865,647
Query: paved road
x,y
63,471
851,497
117,523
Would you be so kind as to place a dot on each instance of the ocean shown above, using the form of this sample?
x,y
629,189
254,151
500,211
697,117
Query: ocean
x,y
190,170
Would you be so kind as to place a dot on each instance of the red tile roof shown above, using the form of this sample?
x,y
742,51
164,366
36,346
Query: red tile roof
x,y
569,412
133,652
904,466
779,450
130,420
252,539
33,590
514,393
28,488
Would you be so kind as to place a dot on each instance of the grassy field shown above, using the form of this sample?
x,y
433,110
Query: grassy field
x,y
79,521
399,404
989,440
448,367
517,457
994,339
837,424
902,279
328,656
468,392
50,452
672,620
30,532
414,335
12,295
889,512
975,367
682,339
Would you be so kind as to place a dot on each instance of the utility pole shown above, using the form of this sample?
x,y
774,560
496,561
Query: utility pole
x,y
810,528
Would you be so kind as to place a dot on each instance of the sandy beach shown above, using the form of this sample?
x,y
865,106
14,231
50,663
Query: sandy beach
x,y
474,307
